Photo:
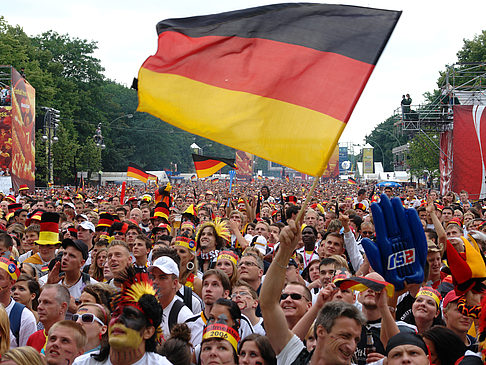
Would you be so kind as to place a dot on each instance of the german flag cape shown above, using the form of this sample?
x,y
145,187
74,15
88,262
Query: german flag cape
x,y
361,284
279,81
137,172
206,166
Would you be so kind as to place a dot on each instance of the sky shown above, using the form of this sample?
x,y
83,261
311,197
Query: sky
x,y
426,39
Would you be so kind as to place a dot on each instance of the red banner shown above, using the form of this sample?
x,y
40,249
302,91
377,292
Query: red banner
x,y
5,140
469,149
23,130
332,169
445,162
244,161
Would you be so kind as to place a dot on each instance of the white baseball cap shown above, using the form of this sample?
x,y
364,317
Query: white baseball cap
x,y
88,225
165,264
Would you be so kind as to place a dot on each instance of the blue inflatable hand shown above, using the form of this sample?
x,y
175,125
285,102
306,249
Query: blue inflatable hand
x,y
400,250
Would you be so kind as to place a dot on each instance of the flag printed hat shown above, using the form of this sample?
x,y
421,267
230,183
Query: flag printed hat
x,y
34,217
49,229
10,267
161,210
12,208
23,187
106,220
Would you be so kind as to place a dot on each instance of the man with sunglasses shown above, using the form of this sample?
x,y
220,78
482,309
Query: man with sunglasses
x,y
295,301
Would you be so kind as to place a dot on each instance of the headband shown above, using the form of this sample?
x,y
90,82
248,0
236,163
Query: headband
x,y
228,255
185,242
430,292
222,331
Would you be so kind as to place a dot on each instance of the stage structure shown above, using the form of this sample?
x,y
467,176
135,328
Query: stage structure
x,y
457,115
17,131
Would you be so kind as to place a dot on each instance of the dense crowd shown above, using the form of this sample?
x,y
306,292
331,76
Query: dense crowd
x,y
194,274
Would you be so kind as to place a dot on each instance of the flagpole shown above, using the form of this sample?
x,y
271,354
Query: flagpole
x,y
307,199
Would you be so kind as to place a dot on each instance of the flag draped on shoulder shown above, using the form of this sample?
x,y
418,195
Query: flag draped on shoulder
x,y
279,81
137,172
206,166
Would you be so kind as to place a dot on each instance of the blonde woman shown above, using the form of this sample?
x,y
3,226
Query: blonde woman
x,y
4,331
24,355
186,250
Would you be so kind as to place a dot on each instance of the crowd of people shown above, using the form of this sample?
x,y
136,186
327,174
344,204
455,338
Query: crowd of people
x,y
193,274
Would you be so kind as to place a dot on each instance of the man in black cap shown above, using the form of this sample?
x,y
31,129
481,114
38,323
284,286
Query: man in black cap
x,y
67,271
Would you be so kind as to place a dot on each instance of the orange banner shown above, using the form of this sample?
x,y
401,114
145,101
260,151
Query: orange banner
x,y
23,130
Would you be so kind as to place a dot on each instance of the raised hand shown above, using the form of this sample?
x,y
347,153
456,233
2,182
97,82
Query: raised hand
x,y
400,250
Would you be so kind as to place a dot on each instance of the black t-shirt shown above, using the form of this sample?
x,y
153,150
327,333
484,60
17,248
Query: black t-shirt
x,y
373,328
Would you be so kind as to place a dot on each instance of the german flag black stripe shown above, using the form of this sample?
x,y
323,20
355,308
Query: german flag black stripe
x,y
352,31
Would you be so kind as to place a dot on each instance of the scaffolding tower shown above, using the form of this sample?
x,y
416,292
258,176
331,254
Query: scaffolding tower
x,y
462,83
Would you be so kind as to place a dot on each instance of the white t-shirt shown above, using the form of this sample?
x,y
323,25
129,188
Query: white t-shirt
x,y
290,352
149,358
28,326
184,314
74,290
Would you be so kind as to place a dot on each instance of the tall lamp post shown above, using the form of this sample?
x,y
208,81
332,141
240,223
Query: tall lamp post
x,y
99,141
51,124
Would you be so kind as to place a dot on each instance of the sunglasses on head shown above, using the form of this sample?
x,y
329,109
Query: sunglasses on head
x,y
294,296
87,318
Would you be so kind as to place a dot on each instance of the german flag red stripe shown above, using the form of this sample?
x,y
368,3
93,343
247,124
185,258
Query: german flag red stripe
x,y
50,226
137,172
261,76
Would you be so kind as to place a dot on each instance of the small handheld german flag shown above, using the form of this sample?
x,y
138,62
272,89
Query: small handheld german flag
x,y
206,166
137,172
351,181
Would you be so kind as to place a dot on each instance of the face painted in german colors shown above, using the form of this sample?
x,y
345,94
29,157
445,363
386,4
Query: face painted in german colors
x,y
125,330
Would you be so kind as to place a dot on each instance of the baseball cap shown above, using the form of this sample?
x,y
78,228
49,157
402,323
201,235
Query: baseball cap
x,y
78,244
87,225
165,264
449,298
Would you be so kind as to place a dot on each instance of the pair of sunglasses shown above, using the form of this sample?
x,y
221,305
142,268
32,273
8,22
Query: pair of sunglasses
x,y
294,296
87,318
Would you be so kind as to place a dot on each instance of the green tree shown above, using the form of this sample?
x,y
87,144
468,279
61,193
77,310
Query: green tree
x,y
385,136
424,156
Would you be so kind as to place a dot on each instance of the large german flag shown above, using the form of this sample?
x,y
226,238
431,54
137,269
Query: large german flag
x,y
137,172
279,81
206,166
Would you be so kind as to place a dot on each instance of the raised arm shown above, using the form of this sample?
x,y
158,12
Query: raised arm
x,y
302,327
276,326
439,228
